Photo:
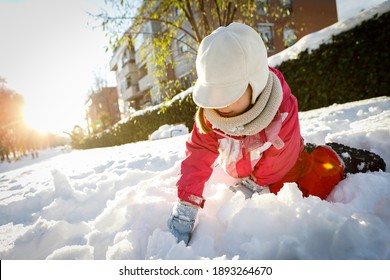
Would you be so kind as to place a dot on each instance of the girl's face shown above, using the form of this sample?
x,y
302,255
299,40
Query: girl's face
x,y
238,107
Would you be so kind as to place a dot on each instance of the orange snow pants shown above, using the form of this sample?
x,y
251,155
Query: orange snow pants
x,y
315,173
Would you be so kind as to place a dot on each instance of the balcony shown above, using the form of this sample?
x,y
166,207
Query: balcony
x,y
130,93
145,83
128,69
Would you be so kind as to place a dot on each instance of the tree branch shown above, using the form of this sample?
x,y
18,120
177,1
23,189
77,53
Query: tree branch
x,y
218,12
204,17
191,19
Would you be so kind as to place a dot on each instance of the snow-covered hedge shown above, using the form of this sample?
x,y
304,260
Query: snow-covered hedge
x,y
180,110
353,67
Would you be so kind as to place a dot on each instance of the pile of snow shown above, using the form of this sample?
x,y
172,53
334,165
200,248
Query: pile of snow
x,y
113,203
314,40
168,131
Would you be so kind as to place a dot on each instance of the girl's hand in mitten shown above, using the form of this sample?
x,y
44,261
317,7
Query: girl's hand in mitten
x,y
182,220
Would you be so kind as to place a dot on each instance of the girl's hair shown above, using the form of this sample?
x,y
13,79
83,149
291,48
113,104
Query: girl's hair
x,y
203,125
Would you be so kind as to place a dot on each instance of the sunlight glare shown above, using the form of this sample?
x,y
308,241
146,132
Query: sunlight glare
x,y
54,119
37,121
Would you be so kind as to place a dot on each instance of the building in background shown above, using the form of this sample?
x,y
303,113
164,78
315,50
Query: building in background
x,y
102,110
136,86
303,17
126,72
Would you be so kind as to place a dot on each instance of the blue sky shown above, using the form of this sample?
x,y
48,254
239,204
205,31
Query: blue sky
x,y
49,53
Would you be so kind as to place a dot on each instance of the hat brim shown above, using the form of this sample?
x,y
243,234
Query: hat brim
x,y
217,97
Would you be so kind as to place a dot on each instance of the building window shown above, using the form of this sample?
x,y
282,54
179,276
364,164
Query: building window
x,y
126,57
128,82
156,26
176,11
262,7
182,48
286,6
266,32
289,37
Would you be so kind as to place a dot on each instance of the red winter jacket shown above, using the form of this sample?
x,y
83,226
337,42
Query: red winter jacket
x,y
266,157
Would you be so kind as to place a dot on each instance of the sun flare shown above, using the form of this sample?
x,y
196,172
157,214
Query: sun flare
x,y
36,120
47,120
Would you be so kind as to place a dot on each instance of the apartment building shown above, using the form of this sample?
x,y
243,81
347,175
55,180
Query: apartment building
x,y
102,110
137,88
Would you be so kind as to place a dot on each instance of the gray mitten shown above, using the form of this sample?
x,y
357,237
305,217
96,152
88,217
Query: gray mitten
x,y
182,220
248,188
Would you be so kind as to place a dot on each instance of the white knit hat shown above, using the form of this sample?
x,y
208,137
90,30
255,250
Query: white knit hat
x,y
228,60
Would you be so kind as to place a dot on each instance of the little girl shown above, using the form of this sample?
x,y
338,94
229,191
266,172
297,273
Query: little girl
x,y
248,120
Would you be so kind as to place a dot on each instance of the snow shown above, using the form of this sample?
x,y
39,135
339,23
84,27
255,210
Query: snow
x,y
113,203
167,131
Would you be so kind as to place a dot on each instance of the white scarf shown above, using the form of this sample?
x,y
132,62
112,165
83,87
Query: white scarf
x,y
257,118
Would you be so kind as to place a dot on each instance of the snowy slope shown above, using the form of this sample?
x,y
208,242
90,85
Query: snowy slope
x,y
113,203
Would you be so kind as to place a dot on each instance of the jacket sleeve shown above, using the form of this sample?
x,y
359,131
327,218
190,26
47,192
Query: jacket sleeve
x,y
196,168
275,163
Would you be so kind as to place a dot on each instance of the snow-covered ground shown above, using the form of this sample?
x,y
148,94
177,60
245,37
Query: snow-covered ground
x,y
113,203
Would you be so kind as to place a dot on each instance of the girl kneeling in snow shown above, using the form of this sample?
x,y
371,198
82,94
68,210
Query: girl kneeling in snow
x,y
248,119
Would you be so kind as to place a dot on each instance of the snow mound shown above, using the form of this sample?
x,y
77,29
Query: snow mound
x,y
168,131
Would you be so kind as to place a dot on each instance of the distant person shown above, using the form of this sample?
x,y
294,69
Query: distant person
x,y
247,122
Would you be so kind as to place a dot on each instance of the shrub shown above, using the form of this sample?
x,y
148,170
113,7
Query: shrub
x,y
353,67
